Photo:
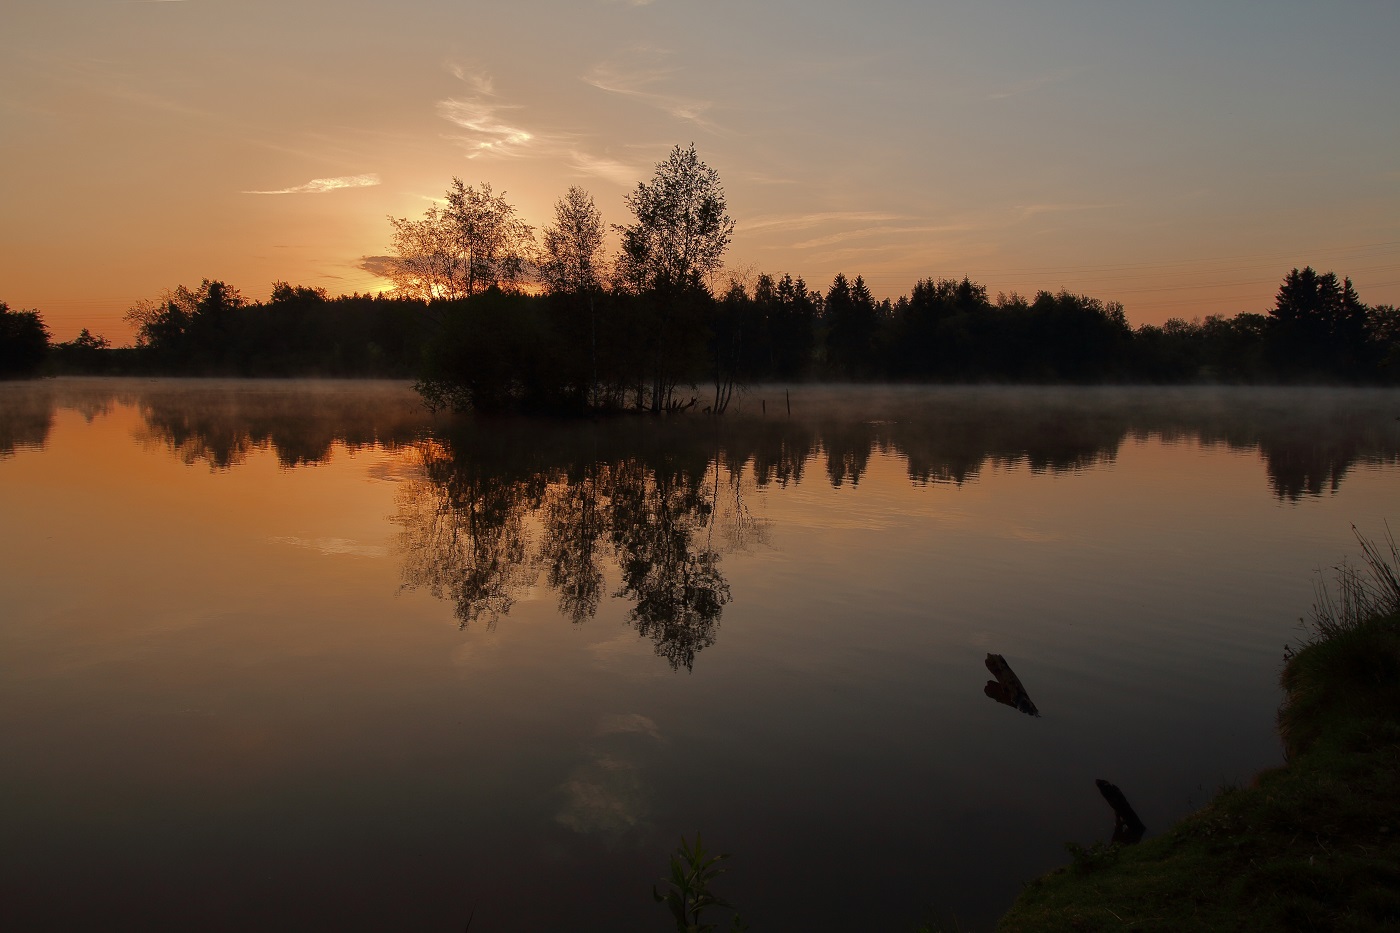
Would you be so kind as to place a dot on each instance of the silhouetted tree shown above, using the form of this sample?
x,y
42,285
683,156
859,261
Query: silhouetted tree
x,y
791,315
571,259
188,330
852,322
85,353
493,353
1318,326
24,342
678,238
474,242
571,262
1383,330
1078,338
932,332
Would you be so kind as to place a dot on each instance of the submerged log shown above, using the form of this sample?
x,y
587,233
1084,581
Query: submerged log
x,y
1007,687
1127,828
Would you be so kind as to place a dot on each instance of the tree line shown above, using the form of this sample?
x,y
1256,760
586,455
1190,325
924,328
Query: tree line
x,y
487,315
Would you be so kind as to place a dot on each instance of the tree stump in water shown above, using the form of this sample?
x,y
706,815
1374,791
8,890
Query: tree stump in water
x,y
1127,828
1007,687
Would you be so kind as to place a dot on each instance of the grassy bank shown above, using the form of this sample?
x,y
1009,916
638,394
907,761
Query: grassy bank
x,y
1314,845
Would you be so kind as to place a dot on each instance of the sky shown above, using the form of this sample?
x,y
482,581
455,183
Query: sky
x,y
1177,157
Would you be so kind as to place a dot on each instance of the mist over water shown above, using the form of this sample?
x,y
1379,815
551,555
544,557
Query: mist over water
x,y
297,654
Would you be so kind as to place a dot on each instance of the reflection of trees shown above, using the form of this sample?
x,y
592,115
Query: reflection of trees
x,y
220,422
573,530
848,449
1309,439
464,536
497,507
1299,467
26,416
674,583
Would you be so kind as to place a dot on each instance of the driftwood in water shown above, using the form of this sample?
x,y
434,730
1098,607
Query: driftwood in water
x,y
1127,828
1007,686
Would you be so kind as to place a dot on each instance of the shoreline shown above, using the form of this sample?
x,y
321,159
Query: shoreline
x,y
1311,845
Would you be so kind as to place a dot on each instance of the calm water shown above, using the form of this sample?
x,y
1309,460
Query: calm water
x,y
293,656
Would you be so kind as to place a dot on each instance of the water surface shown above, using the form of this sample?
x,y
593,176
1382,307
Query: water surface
x,y
295,655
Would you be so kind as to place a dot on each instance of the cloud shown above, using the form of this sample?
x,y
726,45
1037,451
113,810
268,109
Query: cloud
x,y
377,265
1031,210
322,185
480,81
486,131
637,83
479,114
774,223
1035,83
601,167
845,235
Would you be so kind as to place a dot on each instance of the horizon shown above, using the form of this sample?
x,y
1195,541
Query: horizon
x,y
1167,159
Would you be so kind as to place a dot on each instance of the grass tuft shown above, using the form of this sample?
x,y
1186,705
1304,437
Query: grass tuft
x,y
1363,593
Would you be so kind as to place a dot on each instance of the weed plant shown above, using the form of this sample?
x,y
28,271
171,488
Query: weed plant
x,y
1363,593
688,895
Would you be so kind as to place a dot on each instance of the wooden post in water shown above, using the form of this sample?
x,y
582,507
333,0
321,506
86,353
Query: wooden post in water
x,y
788,395
1127,827
1007,689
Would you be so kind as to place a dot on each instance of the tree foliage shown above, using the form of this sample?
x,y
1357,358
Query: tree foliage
x,y
213,330
1319,326
572,254
473,242
24,342
681,229
189,329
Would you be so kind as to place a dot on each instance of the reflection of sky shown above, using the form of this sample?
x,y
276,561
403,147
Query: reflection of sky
x,y
608,793
335,546
1148,153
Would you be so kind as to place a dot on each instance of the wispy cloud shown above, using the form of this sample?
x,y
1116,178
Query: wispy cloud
x,y
483,117
479,114
322,185
486,131
761,178
1031,210
864,232
112,88
1035,83
778,222
639,84
601,167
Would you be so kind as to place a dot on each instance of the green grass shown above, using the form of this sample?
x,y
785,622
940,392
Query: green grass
x,y
1314,845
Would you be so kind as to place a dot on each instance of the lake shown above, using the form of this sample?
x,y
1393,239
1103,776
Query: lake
x,y
298,655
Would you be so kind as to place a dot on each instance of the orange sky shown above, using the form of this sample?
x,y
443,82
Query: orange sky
x,y
1179,158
